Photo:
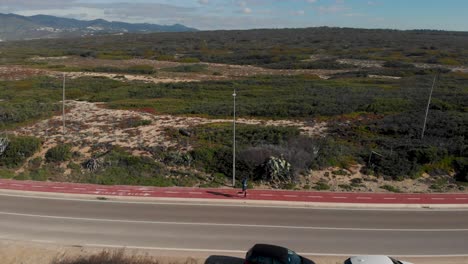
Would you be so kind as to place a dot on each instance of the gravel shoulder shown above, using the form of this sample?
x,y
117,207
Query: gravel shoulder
x,y
14,252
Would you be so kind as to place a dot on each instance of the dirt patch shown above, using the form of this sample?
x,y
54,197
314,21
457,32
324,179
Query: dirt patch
x,y
352,180
16,252
214,71
379,64
129,77
89,124
14,73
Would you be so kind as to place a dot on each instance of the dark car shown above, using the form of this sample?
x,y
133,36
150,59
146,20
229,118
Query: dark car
x,y
270,254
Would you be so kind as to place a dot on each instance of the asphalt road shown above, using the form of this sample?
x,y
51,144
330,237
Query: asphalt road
x,y
233,228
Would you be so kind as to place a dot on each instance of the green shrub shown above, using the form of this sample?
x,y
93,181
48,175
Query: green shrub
x,y
398,64
322,186
35,163
124,169
19,150
346,187
6,174
461,169
187,68
39,175
390,188
59,153
24,176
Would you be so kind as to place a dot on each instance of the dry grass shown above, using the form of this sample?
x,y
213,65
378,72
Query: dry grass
x,y
106,257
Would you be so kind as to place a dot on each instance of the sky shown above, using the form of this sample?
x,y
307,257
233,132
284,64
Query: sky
x,y
247,14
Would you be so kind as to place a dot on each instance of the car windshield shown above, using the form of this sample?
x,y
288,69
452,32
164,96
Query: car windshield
x,y
395,261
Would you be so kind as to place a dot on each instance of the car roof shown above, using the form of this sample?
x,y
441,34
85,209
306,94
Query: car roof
x,y
370,260
277,252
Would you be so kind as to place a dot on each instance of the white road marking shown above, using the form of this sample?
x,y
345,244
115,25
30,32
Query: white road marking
x,y
17,185
81,189
195,192
124,190
37,186
101,189
42,241
239,251
339,197
315,196
170,192
230,224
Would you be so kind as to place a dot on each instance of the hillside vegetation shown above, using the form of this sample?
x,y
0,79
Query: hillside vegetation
x,y
374,123
275,48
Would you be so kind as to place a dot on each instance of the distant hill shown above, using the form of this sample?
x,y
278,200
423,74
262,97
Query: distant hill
x,y
16,27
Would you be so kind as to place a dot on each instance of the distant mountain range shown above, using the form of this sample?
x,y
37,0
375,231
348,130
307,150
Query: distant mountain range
x,y
16,27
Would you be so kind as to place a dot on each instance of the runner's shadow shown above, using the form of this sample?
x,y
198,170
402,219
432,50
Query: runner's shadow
x,y
223,260
220,194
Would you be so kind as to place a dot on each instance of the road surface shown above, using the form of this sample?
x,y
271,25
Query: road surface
x,y
218,228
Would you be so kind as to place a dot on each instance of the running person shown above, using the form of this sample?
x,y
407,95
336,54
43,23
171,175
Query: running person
x,y
244,186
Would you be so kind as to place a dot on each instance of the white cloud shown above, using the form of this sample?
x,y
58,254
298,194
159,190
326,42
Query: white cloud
x,y
246,10
311,1
299,13
242,3
332,9
203,2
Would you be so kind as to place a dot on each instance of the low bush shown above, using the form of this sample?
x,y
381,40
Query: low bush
x,y
19,150
461,169
390,188
321,186
6,174
187,68
121,168
59,153
398,64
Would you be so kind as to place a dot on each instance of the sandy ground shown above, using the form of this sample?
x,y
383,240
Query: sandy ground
x,y
379,64
224,71
89,124
17,252
354,181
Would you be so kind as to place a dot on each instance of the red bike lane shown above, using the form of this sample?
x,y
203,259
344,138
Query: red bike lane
x,y
234,194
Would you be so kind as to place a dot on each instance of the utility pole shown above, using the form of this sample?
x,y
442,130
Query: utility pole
x,y
63,105
234,142
429,104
